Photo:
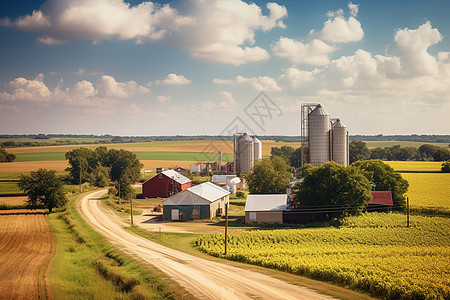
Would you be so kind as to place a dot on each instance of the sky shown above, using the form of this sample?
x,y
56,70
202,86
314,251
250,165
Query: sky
x,y
211,67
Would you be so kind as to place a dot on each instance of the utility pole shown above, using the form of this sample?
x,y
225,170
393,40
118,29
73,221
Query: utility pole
x,y
119,191
80,178
226,228
407,211
131,208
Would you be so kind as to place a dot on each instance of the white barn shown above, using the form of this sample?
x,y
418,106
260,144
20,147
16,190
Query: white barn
x,y
265,208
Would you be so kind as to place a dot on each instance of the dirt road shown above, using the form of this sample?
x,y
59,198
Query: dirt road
x,y
203,278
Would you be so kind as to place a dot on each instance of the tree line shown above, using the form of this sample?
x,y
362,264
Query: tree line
x,y
358,150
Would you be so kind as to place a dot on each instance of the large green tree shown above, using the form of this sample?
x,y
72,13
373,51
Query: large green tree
x,y
358,150
125,169
43,187
284,151
84,161
6,156
269,176
385,179
332,191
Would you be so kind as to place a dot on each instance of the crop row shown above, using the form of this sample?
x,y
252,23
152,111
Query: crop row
x,y
386,260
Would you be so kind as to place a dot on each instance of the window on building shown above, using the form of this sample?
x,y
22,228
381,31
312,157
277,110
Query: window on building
x,y
252,216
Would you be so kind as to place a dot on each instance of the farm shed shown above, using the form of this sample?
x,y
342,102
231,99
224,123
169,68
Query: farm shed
x,y
265,208
165,184
203,201
381,201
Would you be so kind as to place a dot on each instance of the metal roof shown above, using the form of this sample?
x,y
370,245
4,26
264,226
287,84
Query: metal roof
x,y
176,176
381,197
338,123
319,111
208,191
221,179
266,202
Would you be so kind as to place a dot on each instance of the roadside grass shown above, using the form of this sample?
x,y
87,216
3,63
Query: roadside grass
x,y
123,207
87,267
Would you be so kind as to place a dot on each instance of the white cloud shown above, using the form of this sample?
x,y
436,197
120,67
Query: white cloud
x,y
314,53
260,83
21,89
133,109
163,99
338,29
214,30
226,99
63,20
109,87
173,79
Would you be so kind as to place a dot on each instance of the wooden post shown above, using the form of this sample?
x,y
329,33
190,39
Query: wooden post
x,y
131,208
407,211
226,227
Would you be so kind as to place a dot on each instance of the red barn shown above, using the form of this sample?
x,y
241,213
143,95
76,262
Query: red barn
x,y
165,184
381,201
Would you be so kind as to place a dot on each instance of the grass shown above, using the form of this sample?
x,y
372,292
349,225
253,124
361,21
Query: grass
x,y
415,166
10,188
87,267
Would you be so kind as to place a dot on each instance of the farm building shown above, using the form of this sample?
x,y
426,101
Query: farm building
x,y
203,201
381,201
165,184
181,170
265,208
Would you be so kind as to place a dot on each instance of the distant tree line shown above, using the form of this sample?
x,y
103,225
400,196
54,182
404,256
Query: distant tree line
x,y
101,165
6,156
358,150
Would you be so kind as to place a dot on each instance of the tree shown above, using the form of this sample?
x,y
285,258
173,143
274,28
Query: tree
x,y
125,168
445,167
6,156
269,176
385,179
285,152
358,151
43,187
296,158
336,189
82,160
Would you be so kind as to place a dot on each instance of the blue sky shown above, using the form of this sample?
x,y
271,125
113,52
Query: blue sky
x,y
197,66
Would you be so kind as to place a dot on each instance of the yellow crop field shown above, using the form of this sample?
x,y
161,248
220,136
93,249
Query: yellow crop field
x,y
375,253
429,189
419,166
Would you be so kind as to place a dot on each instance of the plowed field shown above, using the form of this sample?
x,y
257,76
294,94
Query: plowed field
x,y
25,246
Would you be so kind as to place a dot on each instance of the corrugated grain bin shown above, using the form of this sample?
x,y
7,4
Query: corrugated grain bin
x,y
319,136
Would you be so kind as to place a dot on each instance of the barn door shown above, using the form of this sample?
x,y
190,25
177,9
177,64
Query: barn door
x,y
175,214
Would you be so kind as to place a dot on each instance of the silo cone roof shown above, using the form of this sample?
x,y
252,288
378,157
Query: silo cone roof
x,y
338,123
255,139
319,111
245,137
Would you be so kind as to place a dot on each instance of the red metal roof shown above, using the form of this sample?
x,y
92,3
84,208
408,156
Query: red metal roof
x,y
381,197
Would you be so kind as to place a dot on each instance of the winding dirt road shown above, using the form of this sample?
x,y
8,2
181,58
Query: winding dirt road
x,y
205,279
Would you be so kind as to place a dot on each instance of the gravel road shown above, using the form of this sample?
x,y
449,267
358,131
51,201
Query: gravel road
x,y
205,279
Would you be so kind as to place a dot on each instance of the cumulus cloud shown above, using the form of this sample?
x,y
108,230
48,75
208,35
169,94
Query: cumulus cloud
x,y
260,83
314,53
212,30
226,99
63,20
163,99
338,29
82,93
173,79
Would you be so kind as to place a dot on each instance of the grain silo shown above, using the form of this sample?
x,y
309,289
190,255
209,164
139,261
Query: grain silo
x,y
319,136
246,154
219,161
257,147
339,138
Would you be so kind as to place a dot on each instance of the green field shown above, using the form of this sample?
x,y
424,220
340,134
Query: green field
x,y
7,188
40,156
375,253
382,144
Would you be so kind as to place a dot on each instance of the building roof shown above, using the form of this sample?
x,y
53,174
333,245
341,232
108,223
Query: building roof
x,y
266,202
221,179
176,176
208,191
381,197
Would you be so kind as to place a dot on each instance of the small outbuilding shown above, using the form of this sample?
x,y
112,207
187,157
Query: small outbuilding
x,y
203,201
165,184
265,208
381,201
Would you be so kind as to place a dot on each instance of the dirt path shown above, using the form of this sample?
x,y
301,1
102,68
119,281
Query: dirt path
x,y
205,279
25,246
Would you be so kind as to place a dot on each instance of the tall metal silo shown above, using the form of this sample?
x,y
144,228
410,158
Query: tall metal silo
x,y
257,147
219,161
246,154
339,143
319,136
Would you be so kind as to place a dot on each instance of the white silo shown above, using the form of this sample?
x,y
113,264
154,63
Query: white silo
x,y
246,154
319,136
339,143
257,147
219,161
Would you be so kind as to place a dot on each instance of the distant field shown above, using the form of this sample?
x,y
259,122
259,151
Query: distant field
x,y
27,166
55,140
42,156
382,144
9,188
431,190
415,165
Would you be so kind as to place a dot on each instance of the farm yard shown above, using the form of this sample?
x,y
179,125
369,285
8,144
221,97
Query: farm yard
x,y
26,246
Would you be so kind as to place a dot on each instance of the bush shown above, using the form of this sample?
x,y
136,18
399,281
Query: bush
x,y
445,167
240,194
